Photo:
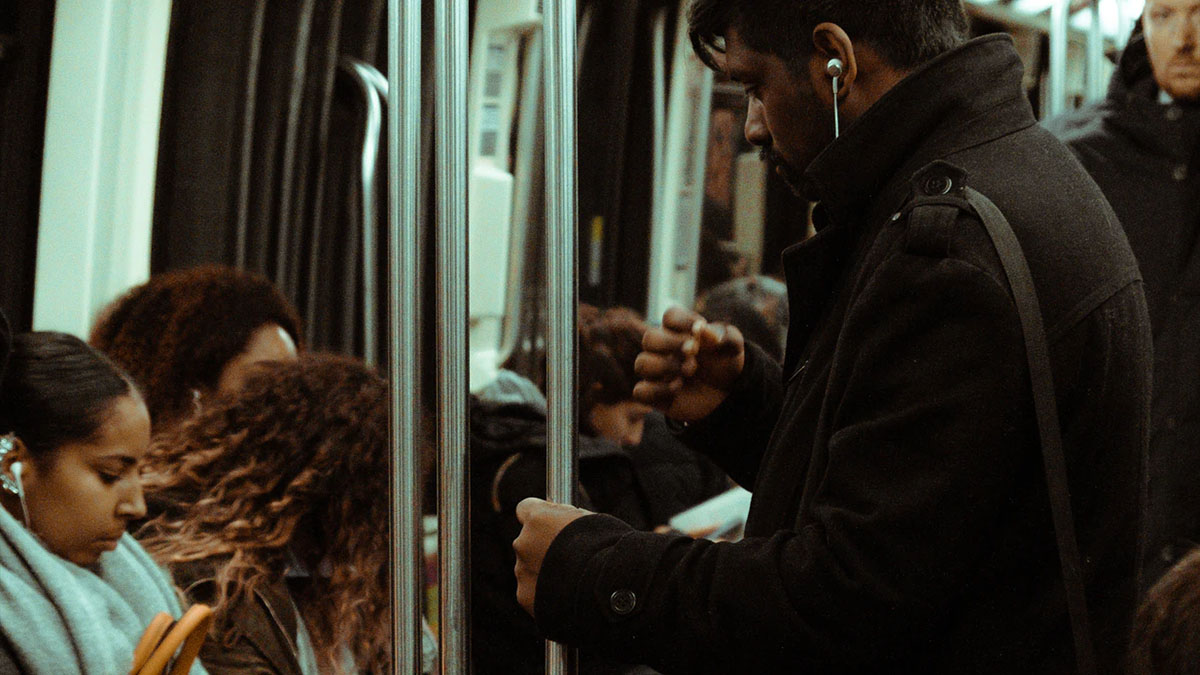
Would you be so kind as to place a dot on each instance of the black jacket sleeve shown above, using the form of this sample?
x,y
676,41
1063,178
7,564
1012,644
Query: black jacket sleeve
x,y
736,433
931,425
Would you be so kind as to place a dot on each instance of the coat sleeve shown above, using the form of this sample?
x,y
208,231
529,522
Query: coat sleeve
x,y
736,433
931,423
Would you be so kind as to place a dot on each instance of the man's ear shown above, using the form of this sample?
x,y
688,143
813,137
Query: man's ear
x,y
831,42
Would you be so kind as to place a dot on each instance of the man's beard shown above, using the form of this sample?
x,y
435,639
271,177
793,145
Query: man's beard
x,y
775,162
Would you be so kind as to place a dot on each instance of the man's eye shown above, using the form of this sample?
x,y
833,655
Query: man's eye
x,y
109,477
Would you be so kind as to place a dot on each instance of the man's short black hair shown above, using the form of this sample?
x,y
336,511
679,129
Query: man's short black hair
x,y
906,33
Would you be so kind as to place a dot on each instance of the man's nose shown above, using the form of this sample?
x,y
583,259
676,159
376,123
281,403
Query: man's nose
x,y
1185,36
133,504
756,127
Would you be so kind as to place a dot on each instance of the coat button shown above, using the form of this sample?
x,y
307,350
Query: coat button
x,y
938,185
1174,113
622,601
1180,172
1172,423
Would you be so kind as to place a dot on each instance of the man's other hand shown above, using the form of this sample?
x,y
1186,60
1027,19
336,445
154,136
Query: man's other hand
x,y
687,365
541,521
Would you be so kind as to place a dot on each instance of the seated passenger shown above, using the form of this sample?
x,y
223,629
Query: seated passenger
x,y
630,466
1166,631
188,334
758,306
76,592
275,514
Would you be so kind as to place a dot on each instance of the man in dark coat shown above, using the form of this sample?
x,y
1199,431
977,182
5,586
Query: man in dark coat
x,y
1142,146
900,520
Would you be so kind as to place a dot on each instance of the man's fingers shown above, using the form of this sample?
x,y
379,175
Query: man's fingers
x,y
659,395
680,320
650,366
720,338
526,508
663,341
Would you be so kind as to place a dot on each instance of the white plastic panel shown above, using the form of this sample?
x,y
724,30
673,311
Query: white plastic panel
x,y
679,188
500,26
101,146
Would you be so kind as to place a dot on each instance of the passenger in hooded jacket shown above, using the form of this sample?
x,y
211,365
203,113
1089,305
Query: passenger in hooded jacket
x,y
900,520
1141,144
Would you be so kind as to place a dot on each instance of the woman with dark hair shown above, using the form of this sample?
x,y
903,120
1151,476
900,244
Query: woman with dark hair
x,y
188,334
609,342
274,514
76,591
757,305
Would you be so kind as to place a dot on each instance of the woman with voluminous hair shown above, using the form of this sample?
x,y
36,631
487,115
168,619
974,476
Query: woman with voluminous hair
x,y
274,511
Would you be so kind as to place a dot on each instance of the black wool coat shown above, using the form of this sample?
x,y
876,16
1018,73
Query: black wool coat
x,y
900,521
1145,155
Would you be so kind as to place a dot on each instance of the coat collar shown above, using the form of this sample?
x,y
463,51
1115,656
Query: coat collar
x,y
963,98
967,96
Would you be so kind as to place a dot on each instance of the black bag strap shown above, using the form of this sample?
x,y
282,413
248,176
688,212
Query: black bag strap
x,y
1037,352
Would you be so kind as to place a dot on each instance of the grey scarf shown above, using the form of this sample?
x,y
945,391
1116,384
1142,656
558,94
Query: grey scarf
x,y
58,617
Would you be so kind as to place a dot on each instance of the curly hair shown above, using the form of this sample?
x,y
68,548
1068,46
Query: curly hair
x,y
1166,630
177,331
302,450
609,343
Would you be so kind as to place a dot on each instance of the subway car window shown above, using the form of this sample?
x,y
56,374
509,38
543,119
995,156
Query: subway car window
x,y
515,336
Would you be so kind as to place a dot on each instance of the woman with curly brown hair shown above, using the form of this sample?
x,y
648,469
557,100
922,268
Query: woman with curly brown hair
x,y
188,334
275,515
609,342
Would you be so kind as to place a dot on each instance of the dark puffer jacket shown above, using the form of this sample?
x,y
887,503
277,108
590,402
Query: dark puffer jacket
x,y
1145,155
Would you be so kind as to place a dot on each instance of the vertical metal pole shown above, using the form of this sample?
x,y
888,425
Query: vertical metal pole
x,y
561,234
1097,85
450,51
404,277
1059,13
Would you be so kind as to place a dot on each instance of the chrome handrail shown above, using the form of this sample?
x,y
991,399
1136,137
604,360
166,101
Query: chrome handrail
x,y
374,89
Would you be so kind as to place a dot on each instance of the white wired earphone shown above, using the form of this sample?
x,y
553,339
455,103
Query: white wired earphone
x,y
834,69
16,472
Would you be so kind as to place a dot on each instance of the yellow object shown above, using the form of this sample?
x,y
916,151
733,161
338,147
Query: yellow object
x,y
163,637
